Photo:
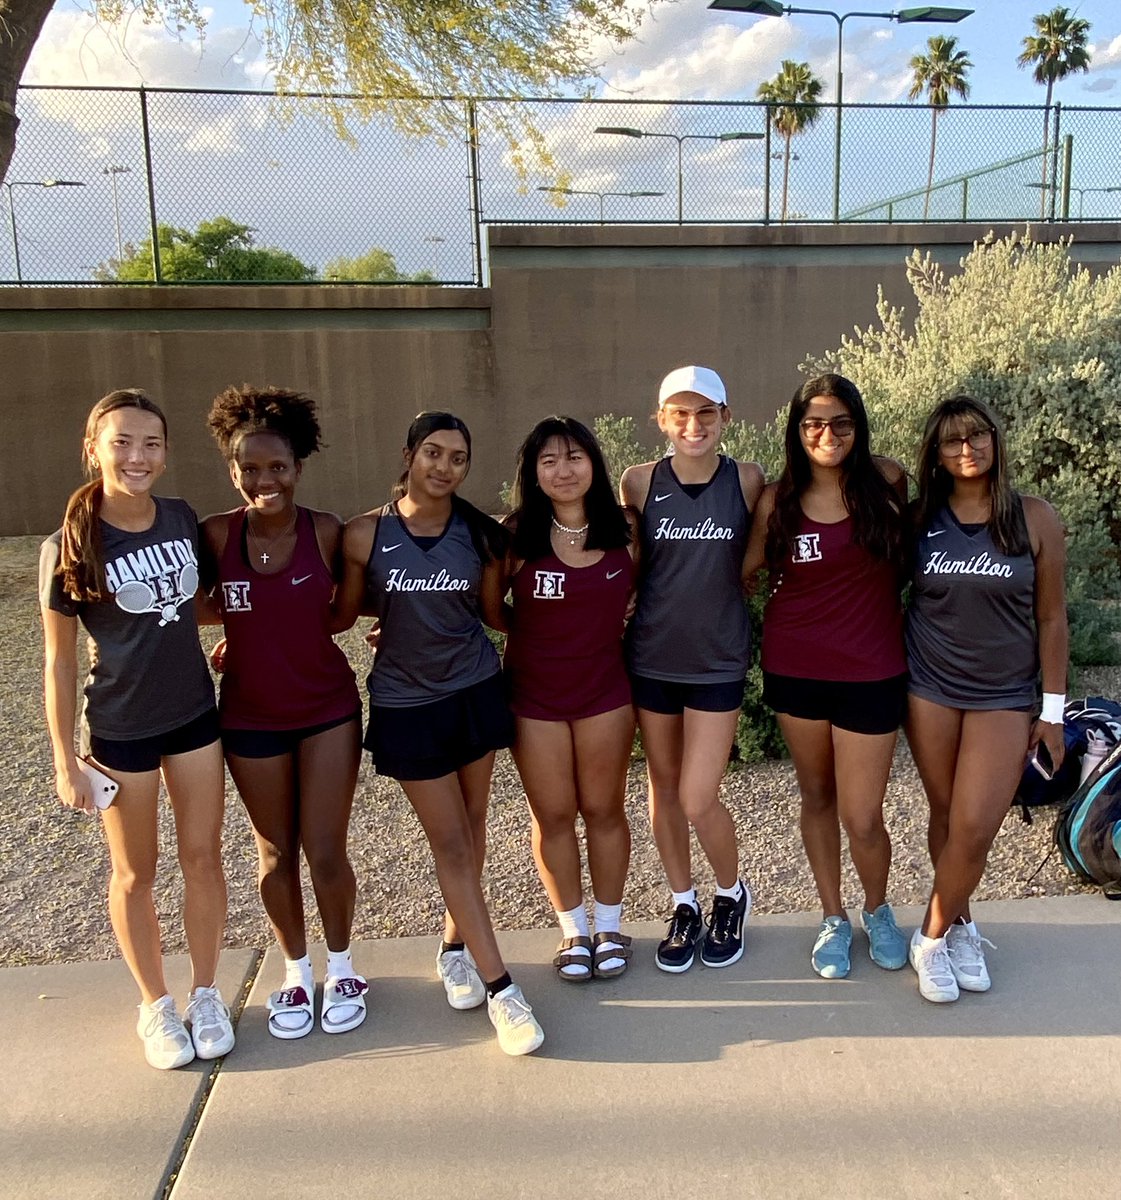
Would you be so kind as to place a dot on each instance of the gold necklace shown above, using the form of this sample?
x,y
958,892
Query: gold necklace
x,y
258,542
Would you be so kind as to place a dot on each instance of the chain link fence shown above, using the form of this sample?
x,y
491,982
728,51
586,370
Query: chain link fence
x,y
254,187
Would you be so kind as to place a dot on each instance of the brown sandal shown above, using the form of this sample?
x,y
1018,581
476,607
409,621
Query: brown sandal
x,y
564,958
619,947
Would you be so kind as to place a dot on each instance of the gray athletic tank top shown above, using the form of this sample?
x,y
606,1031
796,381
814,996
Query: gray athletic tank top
x,y
432,640
691,623
971,639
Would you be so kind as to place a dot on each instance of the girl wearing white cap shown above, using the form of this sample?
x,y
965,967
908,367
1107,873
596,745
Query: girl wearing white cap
x,y
688,651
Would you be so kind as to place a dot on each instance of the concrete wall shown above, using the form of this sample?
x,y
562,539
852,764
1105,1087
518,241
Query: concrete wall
x,y
582,320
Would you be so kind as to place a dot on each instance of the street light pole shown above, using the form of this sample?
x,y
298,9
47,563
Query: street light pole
x,y
601,196
40,183
680,139
113,172
925,14
436,241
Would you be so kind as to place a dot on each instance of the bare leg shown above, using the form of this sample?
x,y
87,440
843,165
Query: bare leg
x,y
603,747
663,739
544,753
861,765
442,810
934,734
474,786
707,744
328,766
195,786
811,748
131,832
989,764
270,792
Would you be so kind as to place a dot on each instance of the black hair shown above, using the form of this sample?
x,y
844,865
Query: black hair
x,y
241,411
1007,525
873,504
533,510
487,536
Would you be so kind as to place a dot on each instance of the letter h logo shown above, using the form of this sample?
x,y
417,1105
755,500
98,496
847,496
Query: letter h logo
x,y
806,548
550,585
236,597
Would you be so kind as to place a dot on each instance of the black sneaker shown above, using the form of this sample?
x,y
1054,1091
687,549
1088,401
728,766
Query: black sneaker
x,y
723,944
675,950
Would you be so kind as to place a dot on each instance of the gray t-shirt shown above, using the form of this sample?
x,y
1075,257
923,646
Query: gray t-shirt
x,y
971,638
150,676
691,623
427,601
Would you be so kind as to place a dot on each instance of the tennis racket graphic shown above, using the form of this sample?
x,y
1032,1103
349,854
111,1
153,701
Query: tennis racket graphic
x,y
138,597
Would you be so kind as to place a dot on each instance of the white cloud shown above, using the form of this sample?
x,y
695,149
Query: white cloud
x,y
1106,55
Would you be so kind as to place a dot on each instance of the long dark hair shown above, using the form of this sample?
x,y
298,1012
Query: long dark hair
x,y
487,536
1006,524
533,510
81,563
873,504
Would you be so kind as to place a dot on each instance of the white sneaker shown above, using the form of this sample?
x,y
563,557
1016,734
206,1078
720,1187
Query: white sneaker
x,y
167,1044
967,959
932,965
514,1022
461,979
211,1031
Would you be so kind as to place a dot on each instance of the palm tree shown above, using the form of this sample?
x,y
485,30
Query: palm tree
x,y
795,90
1056,49
940,73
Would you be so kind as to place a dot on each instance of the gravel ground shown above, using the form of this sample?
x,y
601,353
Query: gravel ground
x,y
54,867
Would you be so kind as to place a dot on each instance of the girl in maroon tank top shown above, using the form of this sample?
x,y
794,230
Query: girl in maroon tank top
x,y
831,533
289,707
572,576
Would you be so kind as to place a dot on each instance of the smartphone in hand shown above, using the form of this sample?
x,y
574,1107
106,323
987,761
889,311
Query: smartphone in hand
x,y
1041,761
104,789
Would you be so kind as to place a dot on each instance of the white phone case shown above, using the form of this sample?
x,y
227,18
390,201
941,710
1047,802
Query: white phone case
x,y
104,789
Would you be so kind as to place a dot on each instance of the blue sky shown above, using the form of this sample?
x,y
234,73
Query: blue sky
x,y
684,51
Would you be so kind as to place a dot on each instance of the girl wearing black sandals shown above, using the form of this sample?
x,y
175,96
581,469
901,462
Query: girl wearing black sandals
x,y
290,712
428,566
572,576
125,564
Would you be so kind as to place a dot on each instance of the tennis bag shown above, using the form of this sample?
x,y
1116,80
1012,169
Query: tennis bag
x,y
1088,829
1092,719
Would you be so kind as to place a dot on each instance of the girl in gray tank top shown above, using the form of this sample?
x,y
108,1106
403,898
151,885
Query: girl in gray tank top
x,y
988,611
429,565
688,654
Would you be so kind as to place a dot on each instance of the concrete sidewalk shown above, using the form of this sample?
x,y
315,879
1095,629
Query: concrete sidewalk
x,y
757,1081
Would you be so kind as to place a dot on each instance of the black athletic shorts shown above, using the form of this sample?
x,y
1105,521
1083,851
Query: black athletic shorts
x,y
272,743
671,699
431,740
145,754
876,707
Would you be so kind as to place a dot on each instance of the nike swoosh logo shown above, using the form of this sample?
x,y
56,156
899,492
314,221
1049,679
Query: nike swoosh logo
x,y
612,574
301,579
659,499
935,533
386,549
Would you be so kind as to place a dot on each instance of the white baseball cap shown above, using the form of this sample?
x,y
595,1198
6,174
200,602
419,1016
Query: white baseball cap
x,y
702,380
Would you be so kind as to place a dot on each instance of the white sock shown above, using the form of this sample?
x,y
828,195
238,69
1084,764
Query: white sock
x,y
608,917
339,964
970,926
297,973
926,943
574,923
689,897
734,892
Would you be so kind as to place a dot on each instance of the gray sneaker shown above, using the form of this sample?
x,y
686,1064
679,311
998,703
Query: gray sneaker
x,y
462,983
967,959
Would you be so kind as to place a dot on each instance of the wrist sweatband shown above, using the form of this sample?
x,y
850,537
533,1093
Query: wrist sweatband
x,y
1053,705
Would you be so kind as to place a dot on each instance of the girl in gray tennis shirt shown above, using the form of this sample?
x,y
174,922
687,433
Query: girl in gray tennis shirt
x,y
988,611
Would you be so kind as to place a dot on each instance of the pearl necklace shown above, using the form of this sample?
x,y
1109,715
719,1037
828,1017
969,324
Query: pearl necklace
x,y
264,554
573,534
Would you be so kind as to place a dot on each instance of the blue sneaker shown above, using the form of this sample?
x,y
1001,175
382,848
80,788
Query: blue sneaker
x,y
830,956
887,946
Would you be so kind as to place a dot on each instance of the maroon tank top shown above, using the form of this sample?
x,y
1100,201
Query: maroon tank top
x,y
283,670
564,654
835,613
